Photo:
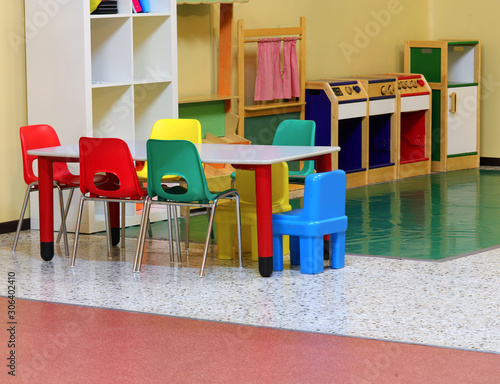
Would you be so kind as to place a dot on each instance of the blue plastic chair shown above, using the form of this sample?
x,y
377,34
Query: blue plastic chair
x,y
323,213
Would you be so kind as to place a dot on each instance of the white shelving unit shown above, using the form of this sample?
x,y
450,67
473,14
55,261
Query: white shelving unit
x,y
100,76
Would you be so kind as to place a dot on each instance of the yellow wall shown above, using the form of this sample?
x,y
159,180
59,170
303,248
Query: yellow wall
x,y
196,39
343,38
12,107
461,19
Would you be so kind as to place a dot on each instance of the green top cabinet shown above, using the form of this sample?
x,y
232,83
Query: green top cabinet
x,y
452,69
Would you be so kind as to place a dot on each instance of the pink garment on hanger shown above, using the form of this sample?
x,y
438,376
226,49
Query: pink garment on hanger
x,y
268,83
291,85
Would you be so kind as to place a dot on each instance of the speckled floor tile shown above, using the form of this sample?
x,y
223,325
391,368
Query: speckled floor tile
x,y
455,303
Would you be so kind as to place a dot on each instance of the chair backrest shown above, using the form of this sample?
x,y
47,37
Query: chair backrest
x,y
111,156
297,132
35,137
245,184
176,158
324,195
173,129
177,129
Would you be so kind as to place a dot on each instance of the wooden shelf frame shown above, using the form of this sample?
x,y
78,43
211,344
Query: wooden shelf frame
x,y
451,75
278,107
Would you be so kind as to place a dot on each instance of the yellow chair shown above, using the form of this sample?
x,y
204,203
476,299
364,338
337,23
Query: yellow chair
x,y
224,217
173,129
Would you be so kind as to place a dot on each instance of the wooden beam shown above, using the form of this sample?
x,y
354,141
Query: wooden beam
x,y
225,52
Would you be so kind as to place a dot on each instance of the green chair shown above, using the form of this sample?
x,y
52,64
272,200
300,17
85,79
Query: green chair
x,y
297,132
181,158
294,132
172,129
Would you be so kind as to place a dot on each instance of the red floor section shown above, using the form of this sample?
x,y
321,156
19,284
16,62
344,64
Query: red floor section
x,y
56,343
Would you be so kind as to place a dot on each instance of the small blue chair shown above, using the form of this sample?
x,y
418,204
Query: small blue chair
x,y
323,213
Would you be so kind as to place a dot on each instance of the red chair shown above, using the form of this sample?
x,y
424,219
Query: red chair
x,y
111,157
42,136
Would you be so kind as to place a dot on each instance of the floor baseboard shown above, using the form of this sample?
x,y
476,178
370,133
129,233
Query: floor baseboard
x,y
11,226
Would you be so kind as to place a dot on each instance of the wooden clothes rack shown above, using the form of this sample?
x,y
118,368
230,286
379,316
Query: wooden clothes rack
x,y
276,107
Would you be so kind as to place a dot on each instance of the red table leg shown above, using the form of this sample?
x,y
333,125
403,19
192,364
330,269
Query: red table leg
x,y
46,208
324,163
264,219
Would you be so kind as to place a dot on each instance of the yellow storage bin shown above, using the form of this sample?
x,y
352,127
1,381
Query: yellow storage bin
x,y
225,218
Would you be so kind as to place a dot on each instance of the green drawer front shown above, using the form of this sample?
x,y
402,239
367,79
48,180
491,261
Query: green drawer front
x,y
426,61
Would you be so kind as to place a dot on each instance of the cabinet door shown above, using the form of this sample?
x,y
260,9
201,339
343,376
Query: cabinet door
x,y
462,120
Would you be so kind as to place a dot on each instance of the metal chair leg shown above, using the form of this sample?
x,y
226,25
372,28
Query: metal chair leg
x,y
207,240
123,224
150,230
142,236
77,231
68,203
21,217
188,215
212,234
108,227
176,228
238,226
63,220
170,238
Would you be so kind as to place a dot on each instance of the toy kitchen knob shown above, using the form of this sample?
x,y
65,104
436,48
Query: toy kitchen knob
x,y
421,82
383,90
357,88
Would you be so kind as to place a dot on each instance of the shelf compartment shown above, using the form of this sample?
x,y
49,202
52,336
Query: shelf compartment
x,y
152,49
113,112
461,63
152,102
160,6
111,50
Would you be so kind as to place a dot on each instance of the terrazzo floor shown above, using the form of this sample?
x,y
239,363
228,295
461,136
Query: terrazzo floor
x,y
455,303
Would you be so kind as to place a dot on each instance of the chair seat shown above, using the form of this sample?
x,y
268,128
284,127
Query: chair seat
x,y
289,223
70,180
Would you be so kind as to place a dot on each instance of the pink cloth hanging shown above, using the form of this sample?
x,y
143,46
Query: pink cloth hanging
x,y
291,85
268,83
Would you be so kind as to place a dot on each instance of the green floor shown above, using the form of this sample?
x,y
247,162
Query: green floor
x,y
429,217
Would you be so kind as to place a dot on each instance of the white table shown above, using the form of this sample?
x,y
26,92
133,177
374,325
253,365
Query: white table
x,y
253,157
